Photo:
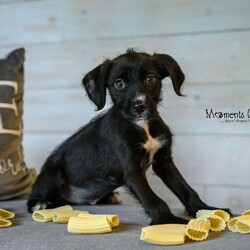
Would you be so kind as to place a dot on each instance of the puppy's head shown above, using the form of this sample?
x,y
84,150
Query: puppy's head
x,y
134,82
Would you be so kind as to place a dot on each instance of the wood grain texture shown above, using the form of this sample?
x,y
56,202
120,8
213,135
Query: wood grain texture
x,y
51,110
198,160
201,159
62,20
213,159
166,194
37,147
209,39
235,197
204,58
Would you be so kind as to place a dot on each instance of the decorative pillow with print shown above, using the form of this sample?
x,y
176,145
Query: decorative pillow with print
x,y
16,179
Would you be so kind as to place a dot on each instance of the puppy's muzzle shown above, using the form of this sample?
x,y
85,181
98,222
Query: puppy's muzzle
x,y
139,106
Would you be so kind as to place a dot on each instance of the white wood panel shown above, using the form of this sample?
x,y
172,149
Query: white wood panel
x,y
37,147
188,114
236,198
201,159
233,197
210,40
68,109
193,120
62,20
166,194
208,94
214,159
204,58
56,110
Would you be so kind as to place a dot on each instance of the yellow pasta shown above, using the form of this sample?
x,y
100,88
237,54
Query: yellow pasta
x,y
64,216
113,219
46,215
198,229
6,214
241,227
89,225
4,222
231,224
247,212
167,234
223,214
216,222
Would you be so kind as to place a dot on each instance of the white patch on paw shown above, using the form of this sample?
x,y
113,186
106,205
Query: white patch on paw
x,y
39,206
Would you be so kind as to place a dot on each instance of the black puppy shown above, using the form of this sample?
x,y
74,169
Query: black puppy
x,y
117,147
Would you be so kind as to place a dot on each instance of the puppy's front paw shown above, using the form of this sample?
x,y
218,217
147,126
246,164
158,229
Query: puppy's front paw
x,y
195,210
218,208
34,205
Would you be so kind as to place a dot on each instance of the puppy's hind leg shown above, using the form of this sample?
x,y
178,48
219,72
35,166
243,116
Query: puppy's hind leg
x,y
46,190
93,191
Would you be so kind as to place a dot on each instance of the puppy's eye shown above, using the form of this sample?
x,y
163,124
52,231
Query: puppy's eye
x,y
150,79
119,84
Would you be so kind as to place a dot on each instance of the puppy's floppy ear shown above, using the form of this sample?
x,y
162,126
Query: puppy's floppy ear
x,y
95,84
167,66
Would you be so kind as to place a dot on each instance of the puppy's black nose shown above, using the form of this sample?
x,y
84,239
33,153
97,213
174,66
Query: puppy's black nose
x,y
139,106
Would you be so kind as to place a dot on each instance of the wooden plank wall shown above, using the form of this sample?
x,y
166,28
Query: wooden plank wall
x,y
210,40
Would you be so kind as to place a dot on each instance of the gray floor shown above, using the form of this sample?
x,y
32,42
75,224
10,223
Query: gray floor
x,y
28,234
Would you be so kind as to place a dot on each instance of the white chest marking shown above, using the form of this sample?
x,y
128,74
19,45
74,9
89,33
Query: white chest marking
x,y
152,145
